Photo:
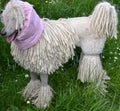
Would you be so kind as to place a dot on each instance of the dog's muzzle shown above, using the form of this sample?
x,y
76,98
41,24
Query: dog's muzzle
x,y
3,32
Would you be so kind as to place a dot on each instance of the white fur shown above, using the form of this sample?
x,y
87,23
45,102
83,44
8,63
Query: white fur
x,y
57,44
103,21
44,97
31,90
92,32
48,54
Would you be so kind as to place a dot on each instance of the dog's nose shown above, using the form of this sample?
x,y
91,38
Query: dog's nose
x,y
3,32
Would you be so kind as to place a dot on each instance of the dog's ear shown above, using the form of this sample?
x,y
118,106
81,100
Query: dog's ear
x,y
18,14
14,12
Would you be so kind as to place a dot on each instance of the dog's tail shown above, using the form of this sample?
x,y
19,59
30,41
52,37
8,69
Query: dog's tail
x,y
103,21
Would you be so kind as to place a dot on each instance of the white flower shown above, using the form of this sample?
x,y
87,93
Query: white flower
x,y
83,13
115,58
45,105
62,69
117,48
26,75
112,68
28,102
46,1
111,52
115,53
16,80
103,57
52,2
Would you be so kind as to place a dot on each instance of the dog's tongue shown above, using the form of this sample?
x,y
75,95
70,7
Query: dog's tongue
x,y
10,38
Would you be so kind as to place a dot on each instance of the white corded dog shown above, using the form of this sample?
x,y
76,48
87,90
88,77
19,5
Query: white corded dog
x,y
42,45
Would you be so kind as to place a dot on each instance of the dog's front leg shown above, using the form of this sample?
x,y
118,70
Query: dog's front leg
x,y
31,90
45,93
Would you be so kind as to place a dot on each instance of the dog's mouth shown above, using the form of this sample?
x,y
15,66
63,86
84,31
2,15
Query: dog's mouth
x,y
12,37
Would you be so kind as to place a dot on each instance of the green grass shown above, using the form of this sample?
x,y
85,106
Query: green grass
x,y
70,94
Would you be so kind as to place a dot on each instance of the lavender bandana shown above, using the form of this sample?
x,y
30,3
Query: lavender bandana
x,y
32,28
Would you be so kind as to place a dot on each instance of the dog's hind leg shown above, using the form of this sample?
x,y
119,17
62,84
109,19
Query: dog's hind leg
x,y
45,93
30,91
90,66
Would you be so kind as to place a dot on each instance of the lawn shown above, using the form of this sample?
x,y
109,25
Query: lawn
x,y
70,94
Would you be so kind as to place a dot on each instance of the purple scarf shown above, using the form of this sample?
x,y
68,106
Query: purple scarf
x,y
32,28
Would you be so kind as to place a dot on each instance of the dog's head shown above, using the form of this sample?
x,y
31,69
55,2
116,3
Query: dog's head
x,y
12,18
